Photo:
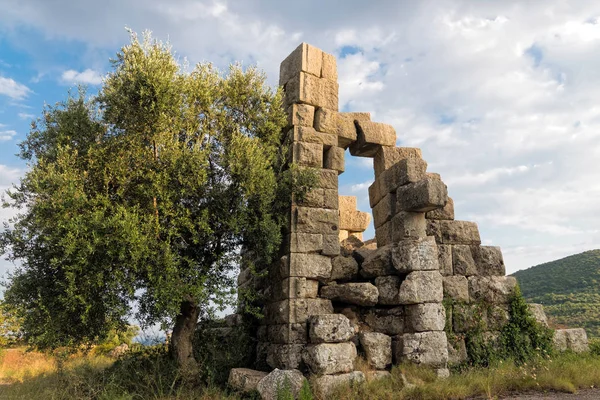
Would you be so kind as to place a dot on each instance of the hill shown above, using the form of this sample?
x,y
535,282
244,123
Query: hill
x,y
568,288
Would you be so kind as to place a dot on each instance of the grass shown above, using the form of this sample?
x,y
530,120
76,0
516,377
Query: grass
x,y
27,375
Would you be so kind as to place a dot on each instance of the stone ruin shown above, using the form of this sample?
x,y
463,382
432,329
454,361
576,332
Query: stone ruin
x,y
332,296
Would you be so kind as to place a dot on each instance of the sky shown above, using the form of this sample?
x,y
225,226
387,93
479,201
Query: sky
x,y
501,96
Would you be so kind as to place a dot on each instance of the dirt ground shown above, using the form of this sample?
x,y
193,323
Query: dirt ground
x,y
583,394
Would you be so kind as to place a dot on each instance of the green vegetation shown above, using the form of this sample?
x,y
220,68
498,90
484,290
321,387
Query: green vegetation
x,y
568,289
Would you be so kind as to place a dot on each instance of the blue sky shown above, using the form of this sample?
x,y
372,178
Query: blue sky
x,y
501,96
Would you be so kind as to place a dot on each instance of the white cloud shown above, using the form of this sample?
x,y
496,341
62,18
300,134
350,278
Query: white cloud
x,y
89,77
14,90
7,135
26,116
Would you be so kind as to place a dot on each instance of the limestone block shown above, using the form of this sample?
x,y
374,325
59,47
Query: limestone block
x,y
344,268
360,254
331,245
537,310
377,375
261,356
305,58
386,320
427,348
296,311
408,225
320,198
287,334
329,67
325,385
416,255
347,203
559,340
384,235
388,156
357,116
492,289
422,287
301,115
462,260
315,220
389,289
244,380
378,263
497,317
445,259
308,154
370,137
313,266
422,196
329,328
406,171
285,356
457,351
327,178
577,340
466,317
330,358
308,89
456,288
343,235
442,373
271,384
384,210
378,349
355,221
425,317
359,293
295,288
307,134
454,232
334,159
489,260
305,242
339,124
444,213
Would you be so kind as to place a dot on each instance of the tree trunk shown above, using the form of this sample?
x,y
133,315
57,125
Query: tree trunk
x,y
181,346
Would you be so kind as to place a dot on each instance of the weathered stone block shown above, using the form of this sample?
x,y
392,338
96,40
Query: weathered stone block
x,y
408,225
320,198
422,287
422,196
296,311
339,124
313,266
456,288
307,134
406,171
559,340
577,340
384,235
329,67
444,213
466,317
462,260
377,375
295,288
308,89
301,115
497,317
378,263
347,203
386,320
325,385
389,289
329,328
334,159
330,358
489,260
427,348
359,293
305,58
454,232
315,220
245,380
270,385
445,259
305,242
308,154
331,245
285,356
378,349
327,178
287,334
388,156
370,137
492,289
416,255
344,268
425,317
537,310
384,210
355,221
457,351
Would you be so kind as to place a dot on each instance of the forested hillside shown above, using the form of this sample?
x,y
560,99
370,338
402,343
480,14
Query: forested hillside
x,y
568,288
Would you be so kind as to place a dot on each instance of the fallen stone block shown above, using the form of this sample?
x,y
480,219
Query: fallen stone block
x,y
378,349
445,259
408,225
244,380
456,288
301,115
425,317
355,221
344,268
287,334
308,89
330,358
384,210
285,356
559,340
537,311
427,348
359,293
489,260
416,255
315,220
389,321
270,385
388,156
492,289
325,385
444,213
329,328
389,289
422,196
334,159
462,260
378,263
308,154
577,340
370,137
305,58
422,287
